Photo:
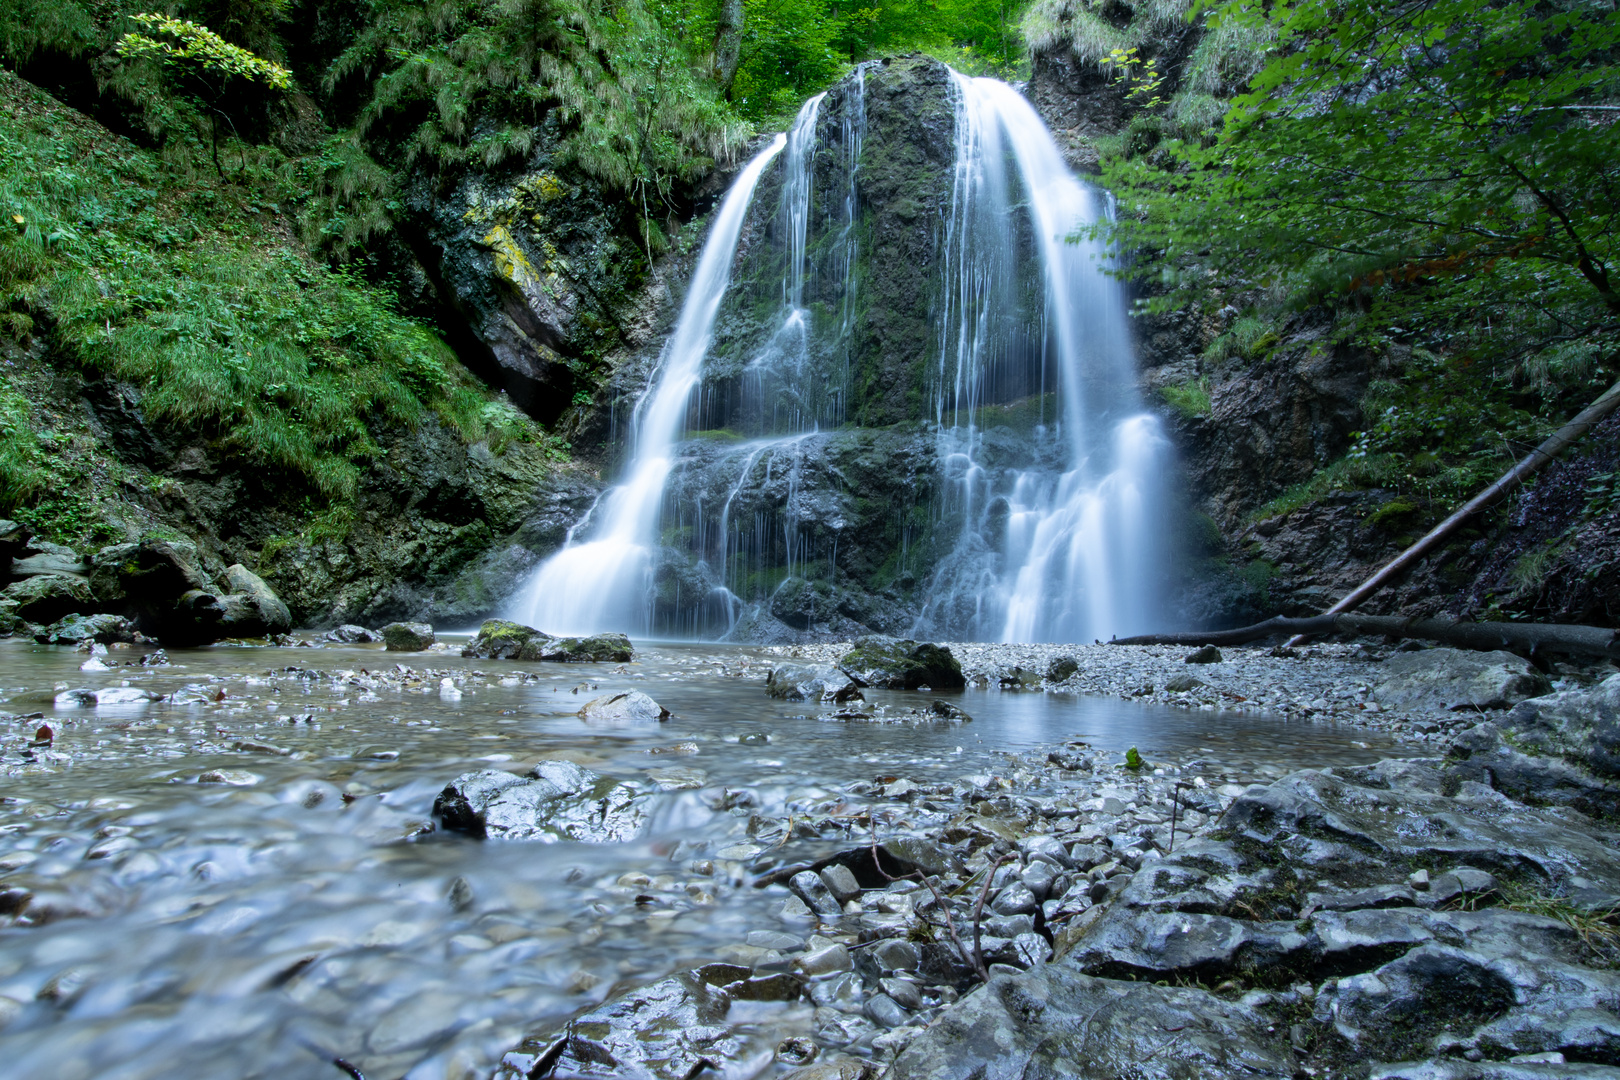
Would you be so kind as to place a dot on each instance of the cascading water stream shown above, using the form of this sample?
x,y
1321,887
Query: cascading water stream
x,y
1065,546
604,582
1048,484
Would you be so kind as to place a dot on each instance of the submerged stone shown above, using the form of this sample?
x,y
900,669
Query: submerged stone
x,y
558,800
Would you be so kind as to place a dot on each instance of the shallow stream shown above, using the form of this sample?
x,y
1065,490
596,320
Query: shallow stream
x,y
290,908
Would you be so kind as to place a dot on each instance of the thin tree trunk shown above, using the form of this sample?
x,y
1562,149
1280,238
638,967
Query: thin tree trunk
x,y
1514,637
1540,456
728,44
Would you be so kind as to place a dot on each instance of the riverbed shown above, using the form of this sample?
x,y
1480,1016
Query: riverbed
x,y
245,879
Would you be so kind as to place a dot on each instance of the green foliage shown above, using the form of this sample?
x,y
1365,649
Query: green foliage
x,y
21,474
1448,160
186,44
1189,399
234,337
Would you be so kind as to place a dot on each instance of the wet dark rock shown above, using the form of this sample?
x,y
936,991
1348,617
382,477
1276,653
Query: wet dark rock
x,y
1486,756
48,597
14,536
1062,668
810,682
153,576
596,649
1209,654
894,664
809,887
841,882
1457,679
633,707
1182,683
558,800
350,634
252,607
1015,899
1039,1024
73,629
499,639
671,1030
407,637
884,1011
946,711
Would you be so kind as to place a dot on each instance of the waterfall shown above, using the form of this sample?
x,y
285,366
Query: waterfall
x,y
1066,544
603,583
1044,519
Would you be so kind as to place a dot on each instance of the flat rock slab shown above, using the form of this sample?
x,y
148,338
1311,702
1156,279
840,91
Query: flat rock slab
x,y
1055,1021
1457,679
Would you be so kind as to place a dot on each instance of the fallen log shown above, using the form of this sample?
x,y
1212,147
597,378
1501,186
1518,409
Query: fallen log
x,y
1583,422
1514,637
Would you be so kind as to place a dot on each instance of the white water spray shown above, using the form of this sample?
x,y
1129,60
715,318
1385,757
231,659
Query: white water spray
x,y
604,583
1068,550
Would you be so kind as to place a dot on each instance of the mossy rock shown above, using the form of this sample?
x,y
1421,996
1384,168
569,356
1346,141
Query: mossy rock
x,y
500,639
48,597
894,664
407,637
596,649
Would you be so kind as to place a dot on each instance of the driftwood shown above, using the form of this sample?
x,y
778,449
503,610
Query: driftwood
x,y
1514,637
1588,417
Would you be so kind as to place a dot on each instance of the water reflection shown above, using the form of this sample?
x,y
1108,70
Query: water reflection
x,y
291,911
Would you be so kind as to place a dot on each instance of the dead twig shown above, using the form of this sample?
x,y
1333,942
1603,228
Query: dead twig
x,y
944,907
978,916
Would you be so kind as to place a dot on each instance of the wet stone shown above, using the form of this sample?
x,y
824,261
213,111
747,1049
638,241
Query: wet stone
x,y
883,1010
1037,1025
558,800
632,707
810,888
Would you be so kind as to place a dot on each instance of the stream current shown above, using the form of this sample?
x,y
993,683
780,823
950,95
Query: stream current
x,y
244,885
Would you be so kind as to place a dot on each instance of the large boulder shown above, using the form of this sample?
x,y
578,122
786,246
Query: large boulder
x,y
500,639
73,629
107,573
252,609
895,664
13,540
1441,679
407,637
595,649
350,634
632,707
46,598
557,800
157,572
1055,1021
809,682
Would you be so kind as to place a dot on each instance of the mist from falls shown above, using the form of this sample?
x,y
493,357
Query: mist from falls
x,y
1047,497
